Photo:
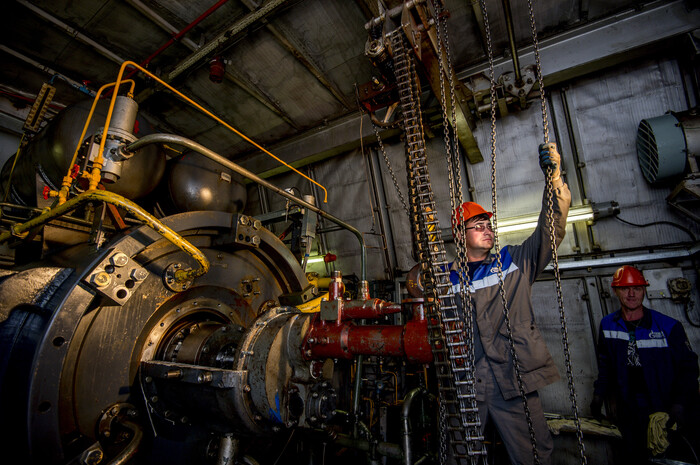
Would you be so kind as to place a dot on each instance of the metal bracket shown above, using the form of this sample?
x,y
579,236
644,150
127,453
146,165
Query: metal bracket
x,y
169,280
117,277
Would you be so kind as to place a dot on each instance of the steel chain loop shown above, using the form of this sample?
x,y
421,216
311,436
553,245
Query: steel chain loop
x,y
499,264
552,238
446,322
391,170
455,184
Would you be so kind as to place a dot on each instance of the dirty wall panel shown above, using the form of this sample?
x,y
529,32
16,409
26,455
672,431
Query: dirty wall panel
x,y
349,199
555,397
606,109
519,179
437,167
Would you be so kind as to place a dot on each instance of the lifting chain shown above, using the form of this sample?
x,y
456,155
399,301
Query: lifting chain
x,y
552,239
391,170
459,415
455,185
497,250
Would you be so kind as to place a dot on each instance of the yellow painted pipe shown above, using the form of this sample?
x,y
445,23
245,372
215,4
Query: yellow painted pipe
x,y
203,110
67,179
114,199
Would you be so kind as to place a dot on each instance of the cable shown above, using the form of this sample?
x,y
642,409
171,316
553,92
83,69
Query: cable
x,y
655,223
686,310
285,447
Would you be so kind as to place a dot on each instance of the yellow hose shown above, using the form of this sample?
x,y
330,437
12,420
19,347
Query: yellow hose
x,y
131,207
96,169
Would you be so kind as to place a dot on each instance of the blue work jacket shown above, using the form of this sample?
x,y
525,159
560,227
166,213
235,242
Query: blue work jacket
x,y
669,365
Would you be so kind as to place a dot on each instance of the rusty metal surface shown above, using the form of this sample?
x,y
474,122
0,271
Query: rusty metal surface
x,y
29,287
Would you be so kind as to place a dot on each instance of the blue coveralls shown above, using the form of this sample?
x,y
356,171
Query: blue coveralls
x,y
669,370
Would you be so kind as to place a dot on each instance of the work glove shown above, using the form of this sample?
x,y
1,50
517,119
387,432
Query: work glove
x,y
550,160
596,406
657,434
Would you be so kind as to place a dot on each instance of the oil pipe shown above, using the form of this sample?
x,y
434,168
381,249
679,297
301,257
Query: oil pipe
x,y
192,145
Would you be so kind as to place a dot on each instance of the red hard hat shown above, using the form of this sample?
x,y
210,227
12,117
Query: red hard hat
x,y
628,276
467,211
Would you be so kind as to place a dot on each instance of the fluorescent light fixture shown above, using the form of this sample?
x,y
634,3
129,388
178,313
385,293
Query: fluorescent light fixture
x,y
522,223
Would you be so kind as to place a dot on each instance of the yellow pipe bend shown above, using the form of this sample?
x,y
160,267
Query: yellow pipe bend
x,y
67,179
114,199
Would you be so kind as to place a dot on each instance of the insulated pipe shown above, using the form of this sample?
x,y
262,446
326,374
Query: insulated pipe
x,y
406,424
108,197
192,145
511,40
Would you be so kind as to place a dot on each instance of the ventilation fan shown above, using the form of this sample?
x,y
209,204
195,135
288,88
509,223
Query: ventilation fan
x,y
661,148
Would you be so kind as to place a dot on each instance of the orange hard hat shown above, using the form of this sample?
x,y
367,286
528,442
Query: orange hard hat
x,y
467,211
626,276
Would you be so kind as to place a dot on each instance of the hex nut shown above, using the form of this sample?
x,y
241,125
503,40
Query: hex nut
x,y
255,240
119,259
139,274
101,279
257,224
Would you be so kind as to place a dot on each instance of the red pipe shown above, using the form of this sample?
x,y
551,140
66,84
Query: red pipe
x,y
338,339
372,308
177,36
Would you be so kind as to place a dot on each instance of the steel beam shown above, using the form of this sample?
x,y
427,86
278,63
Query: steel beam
x,y
595,46
79,36
602,43
315,145
235,78
225,37
281,35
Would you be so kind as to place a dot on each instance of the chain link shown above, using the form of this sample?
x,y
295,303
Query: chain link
x,y
499,264
553,242
391,170
454,171
446,321
538,66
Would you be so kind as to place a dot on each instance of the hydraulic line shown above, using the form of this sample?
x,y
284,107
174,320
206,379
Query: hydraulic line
x,y
181,243
192,145
97,167
68,179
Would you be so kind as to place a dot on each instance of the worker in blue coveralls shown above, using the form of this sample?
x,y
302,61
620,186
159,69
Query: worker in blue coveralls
x,y
498,396
646,364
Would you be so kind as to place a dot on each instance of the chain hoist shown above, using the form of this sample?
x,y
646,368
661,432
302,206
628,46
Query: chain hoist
x,y
553,243
497,250
459,415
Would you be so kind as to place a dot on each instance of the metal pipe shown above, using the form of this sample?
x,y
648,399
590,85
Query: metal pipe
x,y
177,36
81,87
160,21
206,112
511,40
114,199
224,37
626,259
73,32
383,448
192,145
406,424
228,450
129,452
